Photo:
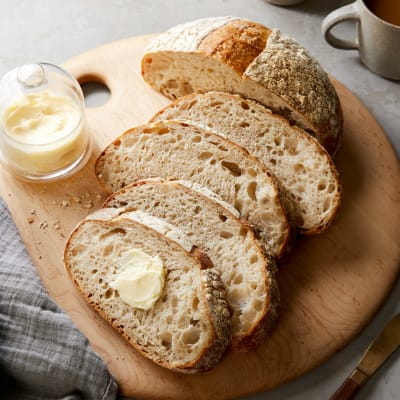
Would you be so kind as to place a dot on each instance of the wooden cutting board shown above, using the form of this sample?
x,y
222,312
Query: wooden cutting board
x,y
331,284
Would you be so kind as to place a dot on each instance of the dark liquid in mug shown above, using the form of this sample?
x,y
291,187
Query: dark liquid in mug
x,y
388,10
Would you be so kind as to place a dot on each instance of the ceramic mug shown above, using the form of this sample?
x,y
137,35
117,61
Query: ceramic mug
x,y
378,41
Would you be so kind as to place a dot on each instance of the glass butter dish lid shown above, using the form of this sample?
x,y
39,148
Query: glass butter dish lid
x,y
42,123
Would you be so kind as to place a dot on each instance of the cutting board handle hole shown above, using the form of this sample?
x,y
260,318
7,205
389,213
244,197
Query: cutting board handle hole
x,y
95,91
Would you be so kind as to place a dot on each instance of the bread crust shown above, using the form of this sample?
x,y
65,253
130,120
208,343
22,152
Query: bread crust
x,y
220,322
219,314
236,43
288,70
187,36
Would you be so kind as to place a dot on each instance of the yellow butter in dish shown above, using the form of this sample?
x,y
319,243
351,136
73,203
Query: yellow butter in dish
x,y
39,118
140,279
42,135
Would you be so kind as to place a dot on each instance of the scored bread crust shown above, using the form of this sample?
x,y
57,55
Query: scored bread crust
x,y
177,150
215,309
171,201
236,44
252,60
303,168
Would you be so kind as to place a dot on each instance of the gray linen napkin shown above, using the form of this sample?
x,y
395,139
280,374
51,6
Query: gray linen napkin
x,y
42,355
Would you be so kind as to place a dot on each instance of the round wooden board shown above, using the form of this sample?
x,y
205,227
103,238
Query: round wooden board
x,y
331,284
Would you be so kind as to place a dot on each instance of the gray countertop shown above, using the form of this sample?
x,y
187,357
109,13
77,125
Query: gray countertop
x,y
55,30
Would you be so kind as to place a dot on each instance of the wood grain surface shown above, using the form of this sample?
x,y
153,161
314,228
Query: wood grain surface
x,y
331,284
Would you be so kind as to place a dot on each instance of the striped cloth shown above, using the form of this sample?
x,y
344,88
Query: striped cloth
x,y
42,355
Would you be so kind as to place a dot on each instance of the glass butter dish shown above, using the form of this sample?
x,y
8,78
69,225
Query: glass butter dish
x,y
42,123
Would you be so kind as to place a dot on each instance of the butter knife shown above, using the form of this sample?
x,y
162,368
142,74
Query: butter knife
x,y
377,353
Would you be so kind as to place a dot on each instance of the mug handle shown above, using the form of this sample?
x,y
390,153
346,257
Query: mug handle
x,y
348,12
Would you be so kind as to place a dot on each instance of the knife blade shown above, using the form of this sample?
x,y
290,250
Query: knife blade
x,y
376,354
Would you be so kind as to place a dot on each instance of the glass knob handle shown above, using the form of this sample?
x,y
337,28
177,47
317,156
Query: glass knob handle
x,y
32,76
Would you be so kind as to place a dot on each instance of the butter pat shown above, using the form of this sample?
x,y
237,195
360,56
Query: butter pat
x,y
140,279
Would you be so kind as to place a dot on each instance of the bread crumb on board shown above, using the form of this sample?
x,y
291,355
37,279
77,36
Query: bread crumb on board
x,y
65,203
56,224
77,199
88,204
83,201
43,225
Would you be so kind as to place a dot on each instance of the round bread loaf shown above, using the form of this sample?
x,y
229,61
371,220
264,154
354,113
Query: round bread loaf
x,y
234,55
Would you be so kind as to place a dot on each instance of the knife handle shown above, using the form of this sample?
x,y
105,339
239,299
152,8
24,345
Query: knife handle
x,y
350,386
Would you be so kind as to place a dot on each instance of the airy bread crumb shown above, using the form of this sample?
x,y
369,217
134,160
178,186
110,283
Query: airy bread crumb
x,y
172,149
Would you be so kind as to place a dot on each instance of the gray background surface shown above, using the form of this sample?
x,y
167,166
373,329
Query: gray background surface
x,y
55,30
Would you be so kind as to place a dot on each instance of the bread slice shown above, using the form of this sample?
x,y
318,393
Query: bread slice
x,y
246,271
234,55
188,328
176,150
302,166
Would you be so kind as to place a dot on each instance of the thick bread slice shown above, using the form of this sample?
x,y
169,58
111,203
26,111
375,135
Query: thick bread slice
x,y
188,328
247,273
176,150
303,167
235,55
